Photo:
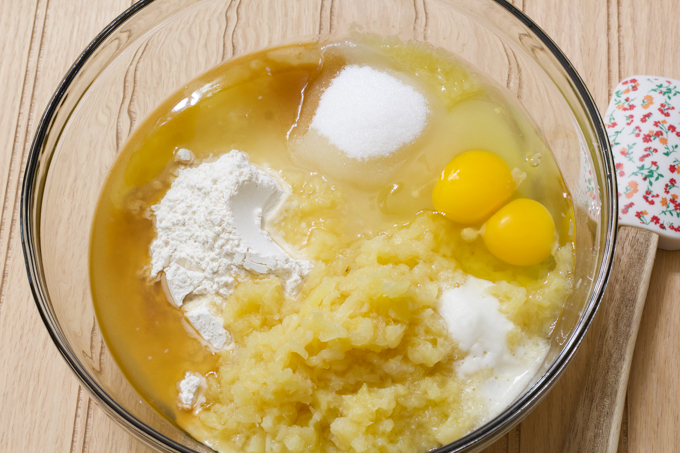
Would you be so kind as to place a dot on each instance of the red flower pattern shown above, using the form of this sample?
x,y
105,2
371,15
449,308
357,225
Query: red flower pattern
x,y
645,108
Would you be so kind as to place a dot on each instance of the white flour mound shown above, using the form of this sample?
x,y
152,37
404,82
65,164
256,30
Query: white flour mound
x,y
189,390
210,230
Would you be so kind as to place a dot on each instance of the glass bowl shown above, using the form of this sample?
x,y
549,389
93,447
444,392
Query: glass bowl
x,y
155,47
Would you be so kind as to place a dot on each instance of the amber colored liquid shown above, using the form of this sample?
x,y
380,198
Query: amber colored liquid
x,y
253,104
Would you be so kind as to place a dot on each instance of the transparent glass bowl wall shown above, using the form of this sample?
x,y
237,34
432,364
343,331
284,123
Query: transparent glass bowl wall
x,y
155,47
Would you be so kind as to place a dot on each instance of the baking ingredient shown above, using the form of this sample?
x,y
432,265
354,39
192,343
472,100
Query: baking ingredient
x,y
184,156
210,230
521,233
368,113
473,186
475,322
189,389
200,313
180,282
474,319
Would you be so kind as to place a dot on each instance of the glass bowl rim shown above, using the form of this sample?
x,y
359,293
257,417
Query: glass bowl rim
x,y
492,429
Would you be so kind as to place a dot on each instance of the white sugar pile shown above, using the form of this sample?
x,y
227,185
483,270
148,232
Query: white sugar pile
x,y
368,113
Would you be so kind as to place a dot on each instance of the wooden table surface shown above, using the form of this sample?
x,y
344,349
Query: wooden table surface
x,y
43,408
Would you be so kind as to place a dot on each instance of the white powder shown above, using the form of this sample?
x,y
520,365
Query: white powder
x,y
189,389
210,230
180,282
184,156
208,326
368,113
476,323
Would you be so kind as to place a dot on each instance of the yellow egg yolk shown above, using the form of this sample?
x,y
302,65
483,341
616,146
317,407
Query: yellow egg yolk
x,y
473,186
520,233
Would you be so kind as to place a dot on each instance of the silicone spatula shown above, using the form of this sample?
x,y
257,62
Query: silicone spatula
x,y
643,123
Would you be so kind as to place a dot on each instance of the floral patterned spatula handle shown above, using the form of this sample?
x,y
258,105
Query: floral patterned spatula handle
x,y
643,122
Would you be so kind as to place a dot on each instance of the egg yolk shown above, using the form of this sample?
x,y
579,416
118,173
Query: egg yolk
x,y
520,233
473,186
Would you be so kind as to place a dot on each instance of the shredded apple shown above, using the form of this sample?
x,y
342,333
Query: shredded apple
x,y
361,361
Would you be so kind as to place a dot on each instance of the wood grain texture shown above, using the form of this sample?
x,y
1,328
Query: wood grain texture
x,y
579,27
39,397
597,420
22,23
648,38
25,350
654,381
43,408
